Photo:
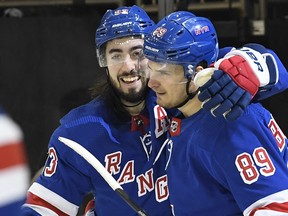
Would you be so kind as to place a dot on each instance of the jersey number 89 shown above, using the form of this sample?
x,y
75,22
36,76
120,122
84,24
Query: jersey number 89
x,y
248,168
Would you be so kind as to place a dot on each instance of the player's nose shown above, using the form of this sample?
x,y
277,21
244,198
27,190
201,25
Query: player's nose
x,y
153,82
129,65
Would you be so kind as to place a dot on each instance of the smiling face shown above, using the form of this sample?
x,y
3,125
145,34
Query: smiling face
x,y
127,68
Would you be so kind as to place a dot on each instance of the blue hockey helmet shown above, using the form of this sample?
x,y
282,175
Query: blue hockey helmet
x,y
121,22
182,38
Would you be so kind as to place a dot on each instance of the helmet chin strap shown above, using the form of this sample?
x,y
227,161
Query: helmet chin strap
x,y
189,95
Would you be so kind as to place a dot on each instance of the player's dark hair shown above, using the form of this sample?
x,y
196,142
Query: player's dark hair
x,y
104,89
203,64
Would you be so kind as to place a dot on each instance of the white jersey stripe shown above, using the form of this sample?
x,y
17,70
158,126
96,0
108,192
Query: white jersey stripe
x,y
54,199
270,213
280,197
41,210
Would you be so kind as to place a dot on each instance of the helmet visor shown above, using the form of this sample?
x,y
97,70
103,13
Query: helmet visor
x,y
120,51
166,72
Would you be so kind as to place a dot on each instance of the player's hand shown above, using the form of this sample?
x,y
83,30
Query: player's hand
x,y
231,88
222,96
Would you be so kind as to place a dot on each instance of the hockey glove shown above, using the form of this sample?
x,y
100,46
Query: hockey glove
x,y
231,88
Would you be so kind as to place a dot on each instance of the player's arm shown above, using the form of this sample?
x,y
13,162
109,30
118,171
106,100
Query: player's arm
x,y
243,75
280,86
256,160
53,191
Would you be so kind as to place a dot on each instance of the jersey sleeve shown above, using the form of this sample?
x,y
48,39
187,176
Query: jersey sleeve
x,y
280,86
64,180
250,161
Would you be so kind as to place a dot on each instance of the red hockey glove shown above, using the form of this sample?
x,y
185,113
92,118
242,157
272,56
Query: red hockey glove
x,y
241,72
231,88
246,67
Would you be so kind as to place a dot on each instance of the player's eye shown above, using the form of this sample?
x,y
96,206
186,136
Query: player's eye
x,y
117,57
137,54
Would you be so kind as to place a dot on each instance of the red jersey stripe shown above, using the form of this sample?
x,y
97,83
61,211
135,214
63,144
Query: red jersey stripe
x,y
35,200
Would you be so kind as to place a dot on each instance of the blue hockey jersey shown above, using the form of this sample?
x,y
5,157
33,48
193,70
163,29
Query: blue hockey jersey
x,y
126,151
222,168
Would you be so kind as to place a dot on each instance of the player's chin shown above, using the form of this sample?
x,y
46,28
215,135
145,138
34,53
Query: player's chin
x,y
162,101
132,89
134,94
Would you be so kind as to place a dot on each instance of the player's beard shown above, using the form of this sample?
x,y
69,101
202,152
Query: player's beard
x,y
133,95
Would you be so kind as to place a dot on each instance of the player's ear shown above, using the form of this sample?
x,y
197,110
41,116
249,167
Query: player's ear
x,y
198,68
193,88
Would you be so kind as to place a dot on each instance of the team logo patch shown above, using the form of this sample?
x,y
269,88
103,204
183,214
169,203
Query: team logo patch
x,y
201,30
175,127
160,31
123,11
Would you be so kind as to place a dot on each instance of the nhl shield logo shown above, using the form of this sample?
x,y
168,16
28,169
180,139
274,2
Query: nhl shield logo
x,y
175,127
122,11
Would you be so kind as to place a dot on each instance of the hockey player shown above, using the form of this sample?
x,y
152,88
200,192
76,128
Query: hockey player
x,y
115,128
14,171
214,166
